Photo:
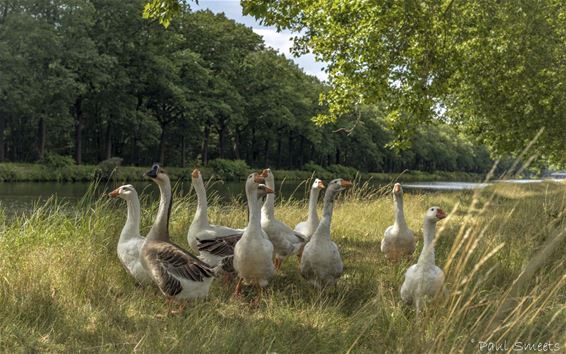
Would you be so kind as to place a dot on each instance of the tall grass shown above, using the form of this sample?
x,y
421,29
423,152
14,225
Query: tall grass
x,y
62,288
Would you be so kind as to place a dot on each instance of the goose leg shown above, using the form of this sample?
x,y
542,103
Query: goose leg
x,y
238,290
278,263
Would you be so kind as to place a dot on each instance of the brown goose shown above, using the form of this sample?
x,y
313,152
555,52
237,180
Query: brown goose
x,y
178,274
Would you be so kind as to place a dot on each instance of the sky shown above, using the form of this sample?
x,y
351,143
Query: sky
x,y
277,40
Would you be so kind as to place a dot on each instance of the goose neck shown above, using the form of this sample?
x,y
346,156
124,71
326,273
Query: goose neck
x,y
132,226
427,254
399,213
160,228
313,198
201,214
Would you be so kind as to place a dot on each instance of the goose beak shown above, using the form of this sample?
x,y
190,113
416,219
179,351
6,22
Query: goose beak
x,y
195,173
440,214
265,172
259,179
114,193
321,185
153,172
266,189
345,184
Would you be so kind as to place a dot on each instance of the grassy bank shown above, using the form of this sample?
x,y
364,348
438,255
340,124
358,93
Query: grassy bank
x,y
24,172
62,288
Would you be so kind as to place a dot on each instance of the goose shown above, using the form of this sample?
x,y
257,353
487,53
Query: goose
x,y
285,241
424,278
252,253
321,264
307,228
178,274
130,242
222,248
200,228
398,241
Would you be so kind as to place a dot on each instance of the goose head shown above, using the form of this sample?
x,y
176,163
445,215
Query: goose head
x,y
125,192
269,178
156,172
338,185
434,214
196,174
317,184
263,190
397,189
253,182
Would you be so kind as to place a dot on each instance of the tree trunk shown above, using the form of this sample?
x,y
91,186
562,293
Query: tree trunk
x,y
254,151
337,156
290,151
108,141
2,139
205,144
266,155
237,145
183,151
279,152
78,130
41,136
162,146
221,138
301,152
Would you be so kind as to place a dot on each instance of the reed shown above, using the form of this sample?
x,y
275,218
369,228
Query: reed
x,y
62,288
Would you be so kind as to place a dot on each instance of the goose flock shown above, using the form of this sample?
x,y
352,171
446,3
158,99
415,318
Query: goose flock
x,y
254,254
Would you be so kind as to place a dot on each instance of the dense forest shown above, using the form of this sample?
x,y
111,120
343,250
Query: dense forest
x,y
93,80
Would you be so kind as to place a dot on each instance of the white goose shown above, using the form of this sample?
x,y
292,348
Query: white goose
x,y
424,279
285,241
398,240
200,228
178,274
131,242
253,252
321,263
307,228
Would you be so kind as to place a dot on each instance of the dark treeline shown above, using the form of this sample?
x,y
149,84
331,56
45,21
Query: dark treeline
x,y
93,80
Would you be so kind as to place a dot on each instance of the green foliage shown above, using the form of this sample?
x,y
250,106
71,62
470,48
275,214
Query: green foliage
x,y
315,168
343,171
53,160
230,169
495,68
162,10
108,167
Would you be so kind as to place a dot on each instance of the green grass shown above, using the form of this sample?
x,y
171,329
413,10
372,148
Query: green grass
x,y
62,288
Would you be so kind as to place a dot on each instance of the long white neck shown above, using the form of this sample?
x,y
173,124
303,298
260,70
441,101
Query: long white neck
x,y
323,230
399,214
268,209
254,222
160,228
201,215
313,199
132,226
427,254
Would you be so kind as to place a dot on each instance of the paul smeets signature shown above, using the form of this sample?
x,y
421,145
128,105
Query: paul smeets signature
x,y
486,346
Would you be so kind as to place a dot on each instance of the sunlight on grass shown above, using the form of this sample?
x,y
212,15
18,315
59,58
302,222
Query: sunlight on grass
x,y
62,287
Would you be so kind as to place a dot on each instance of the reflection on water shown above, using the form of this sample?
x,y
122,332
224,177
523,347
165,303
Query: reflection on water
x,y
19,196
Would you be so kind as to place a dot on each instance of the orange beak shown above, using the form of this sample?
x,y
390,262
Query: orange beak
x,y
321,185
345,184
440,214
265,173
114,193
195,173
259,179
268,190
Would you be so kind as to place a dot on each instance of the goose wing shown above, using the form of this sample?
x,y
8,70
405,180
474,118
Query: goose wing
x,y
220,246
169,263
